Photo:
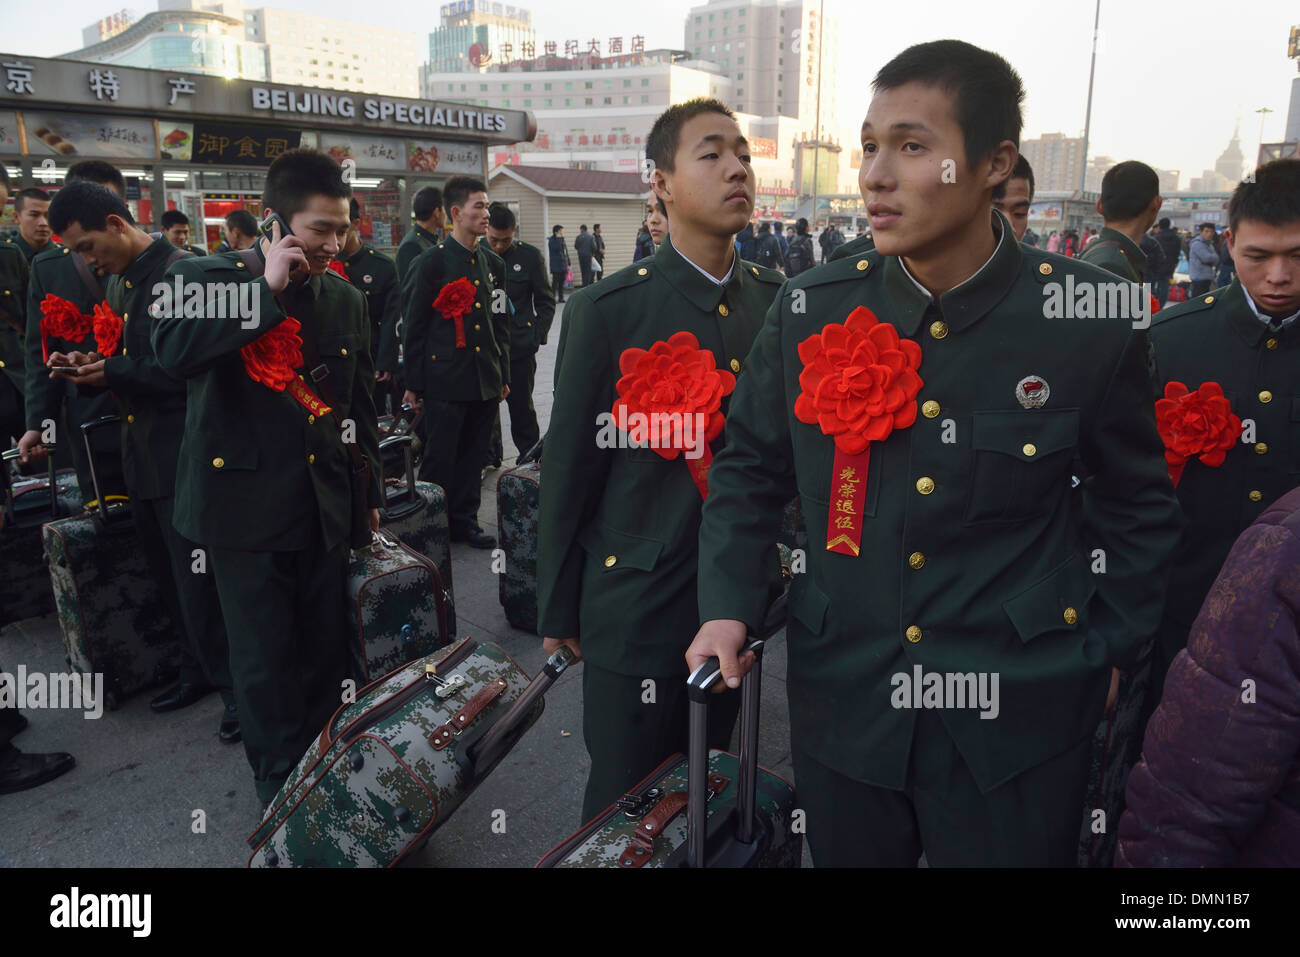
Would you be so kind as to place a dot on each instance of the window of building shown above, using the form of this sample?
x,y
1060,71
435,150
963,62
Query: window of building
x,y
740,92
645,82
726,64
527,103
740,76
568,85
587,101
726,14
546,86
505,103
527,87
726,31
586,85
548,102
710,34
627,100
740,28
645,99
609,101
742,11
505,87
462,87
568,101
482,87
697,34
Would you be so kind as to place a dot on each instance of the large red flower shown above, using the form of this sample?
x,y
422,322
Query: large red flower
x,y
1199,423
859,381
454,301
669,384
339,268
273,357
108,329
60,319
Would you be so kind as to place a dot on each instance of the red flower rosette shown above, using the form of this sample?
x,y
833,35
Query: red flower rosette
x,y
108,329
454,301
671,395
859,383
60,319
338,267
273,357
1199,423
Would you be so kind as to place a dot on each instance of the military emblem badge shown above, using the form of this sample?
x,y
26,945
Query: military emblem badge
x,y
1032,391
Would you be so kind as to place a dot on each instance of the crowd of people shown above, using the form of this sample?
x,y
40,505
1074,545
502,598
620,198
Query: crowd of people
x,y
986,487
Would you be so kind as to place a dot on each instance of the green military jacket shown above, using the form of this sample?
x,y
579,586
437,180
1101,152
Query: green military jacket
x,y
975,556
375,276
152,401
1218,338
256,467
416,241
1114,251
434,366
13,311
528,285
616,554
854,248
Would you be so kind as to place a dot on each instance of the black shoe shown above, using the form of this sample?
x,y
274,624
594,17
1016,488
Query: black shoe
x,y
229,731
19,771
181,696
475,538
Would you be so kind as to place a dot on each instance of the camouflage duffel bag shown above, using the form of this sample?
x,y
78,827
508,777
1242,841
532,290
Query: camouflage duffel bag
x,y
390,768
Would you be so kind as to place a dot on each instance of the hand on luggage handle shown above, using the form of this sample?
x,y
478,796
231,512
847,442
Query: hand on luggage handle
x,y
703,679
10,455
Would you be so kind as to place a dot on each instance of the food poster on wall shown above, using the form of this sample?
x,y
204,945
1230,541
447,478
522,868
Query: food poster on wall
x,y
9,140
176,140
427,156
74,135
368,152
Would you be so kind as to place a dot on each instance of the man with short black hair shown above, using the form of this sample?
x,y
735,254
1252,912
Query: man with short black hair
x,y
1202,258
558,253
176,227
375,276
240,229
585,247
1014,195
31,206
13,327
457,362
279,425
426,206
1130,199
1171,249
599,251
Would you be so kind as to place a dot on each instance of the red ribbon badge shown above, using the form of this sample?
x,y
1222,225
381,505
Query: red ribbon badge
x,y
337,266
273,358
670,397
1199,423
108,329
859,383
454,301
60,319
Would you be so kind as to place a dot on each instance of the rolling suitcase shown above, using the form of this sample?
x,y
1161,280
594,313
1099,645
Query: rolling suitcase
x,y
399,606
704,808
405,423
416,512
28,504
111,612
518,503
389,769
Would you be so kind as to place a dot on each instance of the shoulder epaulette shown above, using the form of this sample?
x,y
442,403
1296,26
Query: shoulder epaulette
x,y
626,277
839,270
1199,304
762,273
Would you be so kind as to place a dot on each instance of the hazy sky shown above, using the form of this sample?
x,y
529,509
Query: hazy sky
x,y
1172,78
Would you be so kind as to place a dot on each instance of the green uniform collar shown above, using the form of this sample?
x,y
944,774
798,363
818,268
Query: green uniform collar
x,y
144,264
963,305
424,234
1132,251
30,252
1244,322
704,294
361,251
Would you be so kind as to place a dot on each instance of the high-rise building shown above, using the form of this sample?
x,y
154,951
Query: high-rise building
x,y
474,34
1057,160
1230,163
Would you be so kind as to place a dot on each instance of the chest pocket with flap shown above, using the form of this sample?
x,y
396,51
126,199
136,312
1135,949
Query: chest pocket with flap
x,y
1021,463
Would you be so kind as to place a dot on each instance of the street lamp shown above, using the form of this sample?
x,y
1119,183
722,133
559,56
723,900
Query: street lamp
x,y
1263,112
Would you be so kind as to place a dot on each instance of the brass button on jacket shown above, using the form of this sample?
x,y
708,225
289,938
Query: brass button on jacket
x,y
913,634
925,485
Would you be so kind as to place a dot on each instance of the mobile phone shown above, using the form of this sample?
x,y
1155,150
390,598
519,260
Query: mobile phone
x,y
72,369
265,229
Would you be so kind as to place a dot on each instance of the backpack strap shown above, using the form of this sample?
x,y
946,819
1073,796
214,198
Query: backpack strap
x,y
88,278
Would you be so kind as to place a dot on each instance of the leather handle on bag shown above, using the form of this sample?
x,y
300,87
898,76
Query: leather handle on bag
x,y
442,736
657,818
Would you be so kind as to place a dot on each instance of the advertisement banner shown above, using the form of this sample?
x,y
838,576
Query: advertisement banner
x,y
74,135
427,156
368,152
239,144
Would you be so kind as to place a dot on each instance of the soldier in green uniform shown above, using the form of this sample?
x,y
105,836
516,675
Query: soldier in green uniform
x,y
1014,195
457,364
533,307
1130,201
54,270
263,477
375,276
616,557
96,224
950,646
176,229
427,231
1245,339
13,306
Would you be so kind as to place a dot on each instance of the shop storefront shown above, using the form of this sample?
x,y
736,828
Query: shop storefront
x,y
201,144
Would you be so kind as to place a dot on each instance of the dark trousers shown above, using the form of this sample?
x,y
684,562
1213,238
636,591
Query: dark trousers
x,y
496,450
1030,821
523,417
285,616
12,417
557,281
584,266
1161,290
106,442
10,719
190,596
1200,287
627,737
456,441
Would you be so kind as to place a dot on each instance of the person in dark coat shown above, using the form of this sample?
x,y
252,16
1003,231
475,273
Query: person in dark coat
x,y
585,247
1219,780
558,252
746,239
1172,248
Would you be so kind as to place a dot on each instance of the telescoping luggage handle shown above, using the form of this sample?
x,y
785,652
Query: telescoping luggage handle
x,y
488,750
10,455
109,511
410,499
698,687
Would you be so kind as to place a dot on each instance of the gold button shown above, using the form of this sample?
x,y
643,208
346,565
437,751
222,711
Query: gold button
x,y
218,462
128,284
1266,397
916,560
477,349
477,327
130,419
529,324
239,265
722,309
938,329
476,282
478,305
124,350
1045,269
1261,448
126,316
754,268
863,265
930,409
913,634
1071,616
735,365
1029,449
1256,495
925,485
1270,344
641,272
2,364
311,458
311,419
610,561
1209,299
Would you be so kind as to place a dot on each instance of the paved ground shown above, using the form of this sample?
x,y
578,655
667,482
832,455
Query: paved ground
x,y
141,781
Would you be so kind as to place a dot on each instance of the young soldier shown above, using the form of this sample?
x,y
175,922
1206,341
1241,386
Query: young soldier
x,y
1244,341
529,288
31,207
459,365
1014,195
263,481
375,277
1130,200
617,539
427,231
13,306
240,229
95,224
176,230
930,419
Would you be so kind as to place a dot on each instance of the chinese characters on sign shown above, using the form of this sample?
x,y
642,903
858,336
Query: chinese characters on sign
x,y
104,84
180,86
240,145
18,77
572,48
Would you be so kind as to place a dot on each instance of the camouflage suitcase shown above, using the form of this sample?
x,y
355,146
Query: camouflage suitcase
x,y
25,583
111,612
702,809
518,502
399,606
416,512
1116,747
389,769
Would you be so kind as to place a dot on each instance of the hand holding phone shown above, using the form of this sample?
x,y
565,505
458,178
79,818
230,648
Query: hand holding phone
x,y
285,259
